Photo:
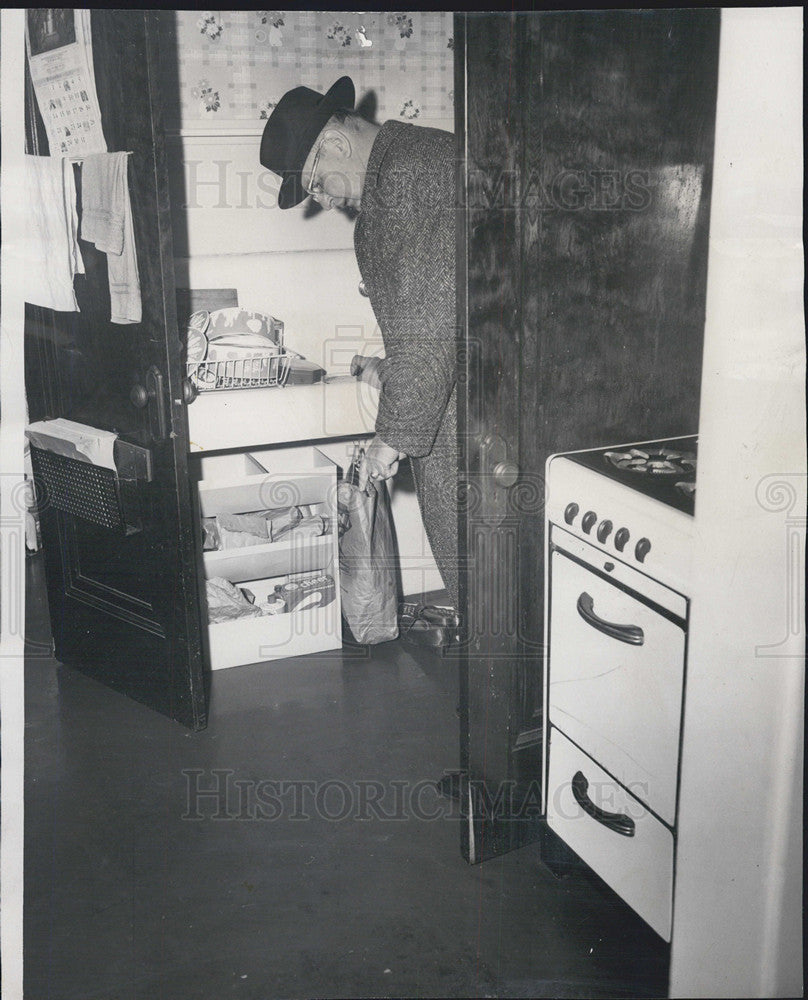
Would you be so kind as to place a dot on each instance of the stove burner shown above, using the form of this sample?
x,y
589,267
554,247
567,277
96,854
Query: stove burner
x,y
663,470
655,460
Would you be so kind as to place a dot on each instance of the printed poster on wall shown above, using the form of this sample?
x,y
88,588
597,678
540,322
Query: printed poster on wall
x,y
60,55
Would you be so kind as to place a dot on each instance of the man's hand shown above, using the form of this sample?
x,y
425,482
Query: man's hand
x,y
367,370
380,462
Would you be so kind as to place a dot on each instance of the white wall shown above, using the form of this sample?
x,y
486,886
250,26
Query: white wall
x,y
737,905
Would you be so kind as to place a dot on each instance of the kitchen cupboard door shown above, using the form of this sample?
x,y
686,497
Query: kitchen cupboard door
x,y
124,605
585,178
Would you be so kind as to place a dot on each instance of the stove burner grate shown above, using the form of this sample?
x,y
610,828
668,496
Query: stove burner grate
x,y
653,461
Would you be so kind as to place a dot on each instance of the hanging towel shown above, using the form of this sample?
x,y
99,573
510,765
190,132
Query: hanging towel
x,y
107,221
103,198
53,256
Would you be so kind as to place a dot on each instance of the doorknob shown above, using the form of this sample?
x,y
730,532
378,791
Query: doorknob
x,y
506,473
139,396
153,396
189,391
499,474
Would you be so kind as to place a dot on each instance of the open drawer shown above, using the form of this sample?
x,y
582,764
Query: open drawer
x,y
246,482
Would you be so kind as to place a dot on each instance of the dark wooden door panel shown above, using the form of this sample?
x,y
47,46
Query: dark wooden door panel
x,y
109,568
502,692
582,294
124,607
615,271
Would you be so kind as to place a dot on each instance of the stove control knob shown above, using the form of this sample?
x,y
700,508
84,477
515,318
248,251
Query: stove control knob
x,y
571,512
621,538
604,530
641,549
588,520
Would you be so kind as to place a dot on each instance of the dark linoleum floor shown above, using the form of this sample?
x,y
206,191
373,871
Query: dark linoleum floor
x,y
347,881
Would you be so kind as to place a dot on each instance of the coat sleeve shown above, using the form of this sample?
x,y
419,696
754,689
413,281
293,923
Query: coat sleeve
x,y
419,371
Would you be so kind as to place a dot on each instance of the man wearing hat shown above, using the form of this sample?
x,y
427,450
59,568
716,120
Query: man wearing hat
x,y
400,179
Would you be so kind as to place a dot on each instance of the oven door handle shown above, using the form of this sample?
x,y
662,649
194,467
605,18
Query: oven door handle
x,y
631,634
619,822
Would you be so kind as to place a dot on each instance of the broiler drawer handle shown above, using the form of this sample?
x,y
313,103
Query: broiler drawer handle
x,y
619,822
632,634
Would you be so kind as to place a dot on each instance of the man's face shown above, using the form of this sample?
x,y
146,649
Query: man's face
x,y
332,175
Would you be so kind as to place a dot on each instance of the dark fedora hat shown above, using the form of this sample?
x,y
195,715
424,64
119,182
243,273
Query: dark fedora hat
x,y
292,130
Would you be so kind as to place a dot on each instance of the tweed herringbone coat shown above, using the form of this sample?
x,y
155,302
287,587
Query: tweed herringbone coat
x,y
405,247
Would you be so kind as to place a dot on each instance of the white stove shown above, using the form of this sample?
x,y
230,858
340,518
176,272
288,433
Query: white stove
x,y
619,534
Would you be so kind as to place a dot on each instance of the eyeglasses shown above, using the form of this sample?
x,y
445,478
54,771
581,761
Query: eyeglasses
x,y
310,188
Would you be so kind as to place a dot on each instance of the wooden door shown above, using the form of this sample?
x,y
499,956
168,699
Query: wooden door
x,y
123,604
582,257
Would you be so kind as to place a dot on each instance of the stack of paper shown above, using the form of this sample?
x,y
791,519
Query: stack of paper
x,y
66,437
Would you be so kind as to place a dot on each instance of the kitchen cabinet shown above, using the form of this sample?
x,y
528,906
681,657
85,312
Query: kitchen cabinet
x,y
240,461
272,478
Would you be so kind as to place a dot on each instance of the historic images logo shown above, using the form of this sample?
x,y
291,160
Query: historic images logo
x,y
220,794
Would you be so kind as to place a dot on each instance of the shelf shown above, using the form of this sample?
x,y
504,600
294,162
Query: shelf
x,y
249,418
273,637
259,562
241,482
264,492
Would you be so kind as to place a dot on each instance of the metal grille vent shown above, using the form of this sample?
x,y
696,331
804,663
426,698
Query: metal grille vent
x,y
79,488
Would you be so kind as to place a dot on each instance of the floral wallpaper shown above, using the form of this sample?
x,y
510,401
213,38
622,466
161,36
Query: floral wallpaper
x,y
236,65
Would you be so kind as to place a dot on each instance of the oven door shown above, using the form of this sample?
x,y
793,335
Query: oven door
x,y
616,671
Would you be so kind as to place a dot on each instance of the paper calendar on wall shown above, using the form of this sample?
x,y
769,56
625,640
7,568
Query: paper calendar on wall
x,y
60,56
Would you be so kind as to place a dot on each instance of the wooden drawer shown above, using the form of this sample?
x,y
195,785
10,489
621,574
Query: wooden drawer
x,y
638,867
242,482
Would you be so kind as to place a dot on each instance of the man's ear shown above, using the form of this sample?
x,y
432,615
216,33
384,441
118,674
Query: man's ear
x,y
340,144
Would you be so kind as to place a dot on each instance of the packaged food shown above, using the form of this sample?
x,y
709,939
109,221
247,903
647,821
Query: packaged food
x,y
313,592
